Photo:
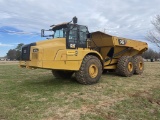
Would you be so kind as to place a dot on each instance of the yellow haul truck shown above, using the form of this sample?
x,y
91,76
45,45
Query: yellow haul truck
x,y
72,49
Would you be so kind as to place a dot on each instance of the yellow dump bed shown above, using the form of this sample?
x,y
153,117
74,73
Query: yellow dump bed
x,y
101,39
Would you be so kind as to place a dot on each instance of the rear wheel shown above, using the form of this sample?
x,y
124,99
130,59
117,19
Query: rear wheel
x,y
62,74
90,70
125,66
139,65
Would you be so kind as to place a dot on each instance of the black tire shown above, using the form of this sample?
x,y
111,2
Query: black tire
x,y
90,70
125,66
138,65
62,74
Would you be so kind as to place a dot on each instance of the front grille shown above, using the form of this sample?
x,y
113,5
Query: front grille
x,y
25,53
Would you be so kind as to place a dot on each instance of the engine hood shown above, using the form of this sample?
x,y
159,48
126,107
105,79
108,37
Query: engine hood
x,y
47,49
57,42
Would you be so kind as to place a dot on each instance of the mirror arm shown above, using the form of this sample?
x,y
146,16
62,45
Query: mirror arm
x,y
42,33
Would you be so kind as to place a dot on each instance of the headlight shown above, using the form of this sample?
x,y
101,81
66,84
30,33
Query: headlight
x,y
35,50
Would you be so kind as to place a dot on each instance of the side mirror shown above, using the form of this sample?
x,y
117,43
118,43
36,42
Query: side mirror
x,y
42,33
75,20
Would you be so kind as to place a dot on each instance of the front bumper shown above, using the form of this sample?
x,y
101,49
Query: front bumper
x,y
58,65
30,64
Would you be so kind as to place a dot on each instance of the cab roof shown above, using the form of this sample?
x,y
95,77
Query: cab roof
x,y
59,26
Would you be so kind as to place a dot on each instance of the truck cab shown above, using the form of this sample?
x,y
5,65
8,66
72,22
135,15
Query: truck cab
x,y
75,35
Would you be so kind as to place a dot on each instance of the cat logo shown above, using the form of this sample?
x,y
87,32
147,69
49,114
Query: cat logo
x,y
72,45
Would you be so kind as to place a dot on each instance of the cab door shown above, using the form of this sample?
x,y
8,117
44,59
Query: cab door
x,y
82,35
72,37
77,37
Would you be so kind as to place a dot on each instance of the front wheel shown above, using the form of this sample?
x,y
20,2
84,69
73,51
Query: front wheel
x,y
90,70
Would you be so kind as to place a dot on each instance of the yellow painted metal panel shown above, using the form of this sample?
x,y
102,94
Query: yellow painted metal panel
x,y
30,64
110,67
101,39
62,65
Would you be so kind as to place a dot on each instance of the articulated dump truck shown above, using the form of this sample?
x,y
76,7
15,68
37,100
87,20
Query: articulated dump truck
x,y
71,49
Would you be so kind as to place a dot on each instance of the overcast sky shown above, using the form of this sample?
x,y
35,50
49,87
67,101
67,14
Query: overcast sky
x,y
124,18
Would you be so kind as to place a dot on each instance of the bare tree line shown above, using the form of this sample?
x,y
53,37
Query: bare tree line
x,y
154,35
151,54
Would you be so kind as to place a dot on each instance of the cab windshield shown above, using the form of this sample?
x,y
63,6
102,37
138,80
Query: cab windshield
x,y
60,33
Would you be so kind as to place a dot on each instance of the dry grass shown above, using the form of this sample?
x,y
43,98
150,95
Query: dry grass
x,y
8,62
36,94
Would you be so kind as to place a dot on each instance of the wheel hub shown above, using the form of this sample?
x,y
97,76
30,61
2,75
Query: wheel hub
x,y
93,71
130,66
140,65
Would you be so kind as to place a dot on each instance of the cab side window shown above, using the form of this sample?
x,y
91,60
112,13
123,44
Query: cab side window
x,y
82,36
73,35
77,37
